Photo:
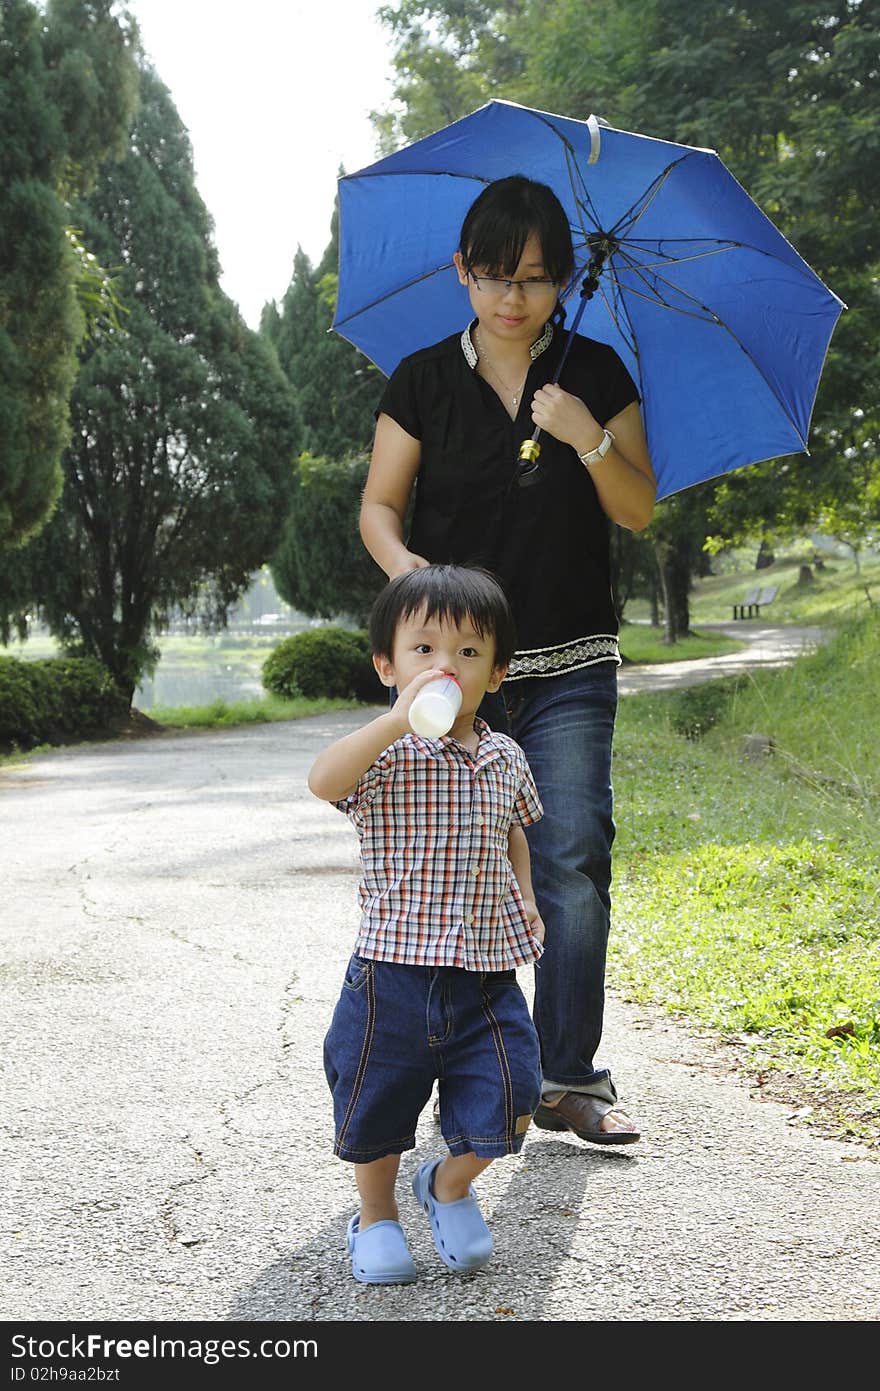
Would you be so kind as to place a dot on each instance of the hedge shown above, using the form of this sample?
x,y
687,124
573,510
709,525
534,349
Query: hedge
x,y
324,662
53,701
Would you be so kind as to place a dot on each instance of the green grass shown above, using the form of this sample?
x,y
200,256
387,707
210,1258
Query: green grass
x,y
640,643
822,716
836,594
16,756
747,894
221,714
837,591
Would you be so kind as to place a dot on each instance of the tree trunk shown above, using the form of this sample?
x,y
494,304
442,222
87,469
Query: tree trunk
x,y
675,577
764,557
660,591
623,551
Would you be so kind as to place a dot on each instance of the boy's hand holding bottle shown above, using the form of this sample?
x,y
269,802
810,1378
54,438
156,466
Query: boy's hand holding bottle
x,y
402,707
336,770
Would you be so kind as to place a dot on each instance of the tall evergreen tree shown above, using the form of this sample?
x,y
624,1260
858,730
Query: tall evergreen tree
x,y
67,92
336,386
321,565
178,475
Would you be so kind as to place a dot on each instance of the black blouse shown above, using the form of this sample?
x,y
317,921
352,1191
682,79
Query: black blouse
x,y
549,543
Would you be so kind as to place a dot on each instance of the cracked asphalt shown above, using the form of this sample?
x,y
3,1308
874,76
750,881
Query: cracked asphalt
x,y
176,916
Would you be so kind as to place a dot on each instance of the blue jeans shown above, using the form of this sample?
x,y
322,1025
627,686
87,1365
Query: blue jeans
x,y
396,1028
565,726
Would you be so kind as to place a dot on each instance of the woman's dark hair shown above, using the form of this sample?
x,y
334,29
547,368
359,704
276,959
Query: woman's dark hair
x,y
499,223
450,593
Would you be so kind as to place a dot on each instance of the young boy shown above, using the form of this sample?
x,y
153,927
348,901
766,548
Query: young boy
x,y
448,913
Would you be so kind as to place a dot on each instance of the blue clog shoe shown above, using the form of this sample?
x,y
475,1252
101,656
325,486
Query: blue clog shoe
x,y
462,1239
379,1255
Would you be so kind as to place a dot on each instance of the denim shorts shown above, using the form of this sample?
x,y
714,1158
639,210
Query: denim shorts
x,y
397,1028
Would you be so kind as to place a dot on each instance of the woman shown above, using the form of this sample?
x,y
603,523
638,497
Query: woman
x,y
449,427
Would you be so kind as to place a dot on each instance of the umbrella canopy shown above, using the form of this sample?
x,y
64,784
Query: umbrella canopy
x,y
722,325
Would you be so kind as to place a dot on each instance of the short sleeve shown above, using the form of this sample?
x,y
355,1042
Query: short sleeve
x,y
400,399
368,785
527,807
618,388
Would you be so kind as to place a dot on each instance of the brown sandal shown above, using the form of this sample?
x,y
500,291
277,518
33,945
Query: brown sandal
x,y
583,1115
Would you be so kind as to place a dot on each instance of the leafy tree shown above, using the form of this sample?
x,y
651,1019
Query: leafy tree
x,y
787,94
336,387
633,571
92,81
67,93
178,474
450,58
783,92
677,535
321,566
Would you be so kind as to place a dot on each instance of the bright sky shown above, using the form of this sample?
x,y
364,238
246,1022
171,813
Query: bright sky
x,y
276,94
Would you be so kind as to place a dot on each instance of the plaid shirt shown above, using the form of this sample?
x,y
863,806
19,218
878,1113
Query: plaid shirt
x,y
433,819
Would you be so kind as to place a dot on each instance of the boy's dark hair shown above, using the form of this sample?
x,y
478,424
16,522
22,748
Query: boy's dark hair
x,y
498,224
450,593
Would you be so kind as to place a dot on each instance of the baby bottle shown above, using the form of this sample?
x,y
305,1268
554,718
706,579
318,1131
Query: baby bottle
x,y
434,709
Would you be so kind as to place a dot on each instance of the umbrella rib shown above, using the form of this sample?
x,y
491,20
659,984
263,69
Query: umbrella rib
x,y
655,296
631,340
663,304
585,210
803,270
586,206
584,203
648,196
398,290
570,151
681,260
620,307
406,173
720,241
714,318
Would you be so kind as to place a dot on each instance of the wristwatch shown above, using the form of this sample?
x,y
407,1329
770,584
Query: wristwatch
x,y
592,456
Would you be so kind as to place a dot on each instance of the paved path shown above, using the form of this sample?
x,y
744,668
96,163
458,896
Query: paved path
x,y
176,915
768,646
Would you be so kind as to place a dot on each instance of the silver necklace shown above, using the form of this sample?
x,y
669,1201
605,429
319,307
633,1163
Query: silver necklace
x,y
513,394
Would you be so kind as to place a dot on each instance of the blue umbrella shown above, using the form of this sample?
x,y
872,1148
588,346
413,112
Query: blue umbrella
x,y
722,325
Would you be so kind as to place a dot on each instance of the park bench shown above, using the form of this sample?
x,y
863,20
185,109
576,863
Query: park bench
x,y
754,600
749,602
766,597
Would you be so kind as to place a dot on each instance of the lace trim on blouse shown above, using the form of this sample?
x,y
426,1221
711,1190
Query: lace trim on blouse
x,y
537,348
567,656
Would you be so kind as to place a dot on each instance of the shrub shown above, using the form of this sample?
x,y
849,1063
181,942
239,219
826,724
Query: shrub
x,y
330,662
367,685
697,708
46,702
19,711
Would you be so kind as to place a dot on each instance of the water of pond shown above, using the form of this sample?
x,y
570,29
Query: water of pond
x,y
197,671
180,684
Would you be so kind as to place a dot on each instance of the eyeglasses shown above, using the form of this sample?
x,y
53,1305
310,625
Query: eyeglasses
x,y
489,285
